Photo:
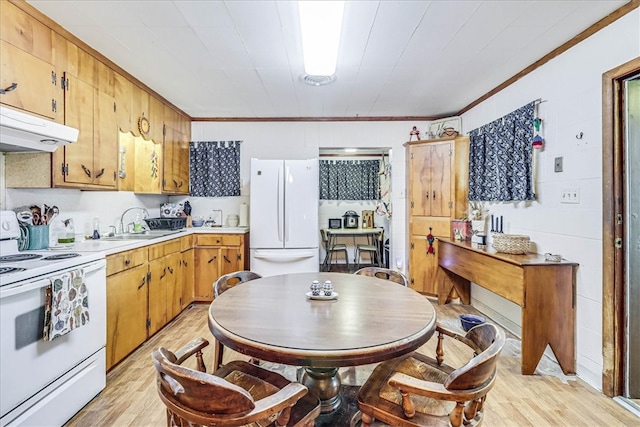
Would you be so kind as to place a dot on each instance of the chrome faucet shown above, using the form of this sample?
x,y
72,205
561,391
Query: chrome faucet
x,y
121,230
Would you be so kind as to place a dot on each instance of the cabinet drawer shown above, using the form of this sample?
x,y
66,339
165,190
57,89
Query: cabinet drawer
x,y
125,260
440,226
218,240
186,243
162,249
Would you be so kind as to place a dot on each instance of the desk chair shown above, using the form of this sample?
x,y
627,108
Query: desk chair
x,y
384,273
235,395
374,249
336,247
416,390
222,284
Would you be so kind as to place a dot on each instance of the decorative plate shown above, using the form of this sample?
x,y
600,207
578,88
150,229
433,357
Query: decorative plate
x,y
144,126
322,296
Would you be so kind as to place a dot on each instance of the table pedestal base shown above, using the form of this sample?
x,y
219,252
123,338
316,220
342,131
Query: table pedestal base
x,y
324,383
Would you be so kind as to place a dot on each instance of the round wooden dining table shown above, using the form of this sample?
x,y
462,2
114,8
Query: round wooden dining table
x,y
369,321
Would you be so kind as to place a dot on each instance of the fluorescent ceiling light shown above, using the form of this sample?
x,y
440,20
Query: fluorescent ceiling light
x,y
350,150
321,24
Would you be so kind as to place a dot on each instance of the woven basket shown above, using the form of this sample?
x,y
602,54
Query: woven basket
x,y
510,243
166,223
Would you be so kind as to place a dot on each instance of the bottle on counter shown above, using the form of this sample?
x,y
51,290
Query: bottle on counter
x,y
96,228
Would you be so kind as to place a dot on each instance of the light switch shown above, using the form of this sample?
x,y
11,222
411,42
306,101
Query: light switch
x,y
558,164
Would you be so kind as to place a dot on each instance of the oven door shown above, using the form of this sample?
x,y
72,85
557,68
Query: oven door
x,y
27,362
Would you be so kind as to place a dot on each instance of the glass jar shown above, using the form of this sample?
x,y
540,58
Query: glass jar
x,y
67,235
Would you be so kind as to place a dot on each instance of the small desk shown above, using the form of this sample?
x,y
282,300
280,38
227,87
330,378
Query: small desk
x,y
272,319
370,233
546,291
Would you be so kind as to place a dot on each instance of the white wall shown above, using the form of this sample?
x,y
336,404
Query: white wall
x,y
571,87
300,140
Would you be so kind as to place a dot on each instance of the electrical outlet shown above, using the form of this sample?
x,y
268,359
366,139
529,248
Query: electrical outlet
x,y
558,164
570,195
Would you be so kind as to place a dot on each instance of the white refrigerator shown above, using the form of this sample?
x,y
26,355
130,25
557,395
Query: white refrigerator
x,y
283,216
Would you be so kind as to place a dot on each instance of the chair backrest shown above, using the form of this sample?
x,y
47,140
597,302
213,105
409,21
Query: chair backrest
x,y
324,237
187,390
488,340
384,273
229,280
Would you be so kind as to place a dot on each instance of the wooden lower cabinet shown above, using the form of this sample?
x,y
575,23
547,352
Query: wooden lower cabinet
x,y
215,255
149,286
188,270
165,291
424,266
126,303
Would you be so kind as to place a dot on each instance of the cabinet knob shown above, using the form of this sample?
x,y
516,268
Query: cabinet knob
x,y
127,261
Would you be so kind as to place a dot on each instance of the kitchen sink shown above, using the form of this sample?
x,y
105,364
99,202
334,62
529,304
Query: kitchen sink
x,y
149,234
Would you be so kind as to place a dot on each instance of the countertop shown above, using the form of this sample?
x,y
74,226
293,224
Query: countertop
x,y
111,247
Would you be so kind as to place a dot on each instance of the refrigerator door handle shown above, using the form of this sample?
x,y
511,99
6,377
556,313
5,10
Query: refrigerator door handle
x,y
280,208
287,176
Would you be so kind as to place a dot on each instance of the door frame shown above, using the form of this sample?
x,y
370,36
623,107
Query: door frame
x,y
614,293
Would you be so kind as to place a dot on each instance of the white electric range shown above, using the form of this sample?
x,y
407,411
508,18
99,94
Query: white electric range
x,y
46,382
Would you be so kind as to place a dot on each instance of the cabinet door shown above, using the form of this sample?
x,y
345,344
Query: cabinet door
x,y
78,113
126,313
187,277
440,170
424,266
123,97
175,284
105,141
163,273
207,270
420,180
230,260
34,80
148,164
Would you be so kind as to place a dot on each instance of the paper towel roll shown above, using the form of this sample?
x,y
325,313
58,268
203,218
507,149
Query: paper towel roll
x,y
244,215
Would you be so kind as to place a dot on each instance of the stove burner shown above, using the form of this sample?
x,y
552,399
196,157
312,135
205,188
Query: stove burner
x,y
19,257
5,270
60,256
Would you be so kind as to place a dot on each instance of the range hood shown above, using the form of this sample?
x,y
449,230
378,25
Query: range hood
x,y
20,131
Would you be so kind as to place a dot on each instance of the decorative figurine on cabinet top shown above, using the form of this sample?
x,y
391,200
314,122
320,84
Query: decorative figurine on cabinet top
x,y
414,131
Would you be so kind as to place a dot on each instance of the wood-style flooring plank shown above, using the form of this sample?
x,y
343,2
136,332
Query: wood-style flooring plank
x,y
544,399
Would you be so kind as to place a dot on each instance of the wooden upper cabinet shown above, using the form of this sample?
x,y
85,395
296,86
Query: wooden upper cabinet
x,y
431,179
176,155
78,157
156,120
139,107
105,141
27,69
22,31
123,95
29,82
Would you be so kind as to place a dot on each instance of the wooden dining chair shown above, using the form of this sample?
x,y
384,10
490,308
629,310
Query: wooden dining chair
x,y
330,249
223,283
384,273
416,390
235,395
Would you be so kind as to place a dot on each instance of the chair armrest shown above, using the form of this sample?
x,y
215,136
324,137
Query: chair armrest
x,y
190,349
408,384
273,404
455,335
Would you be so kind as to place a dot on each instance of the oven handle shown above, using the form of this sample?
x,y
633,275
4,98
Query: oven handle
x,y
18,288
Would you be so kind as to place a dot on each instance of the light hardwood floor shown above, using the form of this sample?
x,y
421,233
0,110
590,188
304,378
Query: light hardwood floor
x,y
545,399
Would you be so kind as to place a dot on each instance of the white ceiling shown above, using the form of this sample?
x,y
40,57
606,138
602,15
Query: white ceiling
x,y
397,58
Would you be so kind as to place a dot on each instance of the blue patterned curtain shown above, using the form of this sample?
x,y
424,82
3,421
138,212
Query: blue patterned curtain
x,y
500,158
349,179
214,168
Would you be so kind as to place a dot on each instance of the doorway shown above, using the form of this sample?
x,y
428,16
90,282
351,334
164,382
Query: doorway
x,y
621,233
374,174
